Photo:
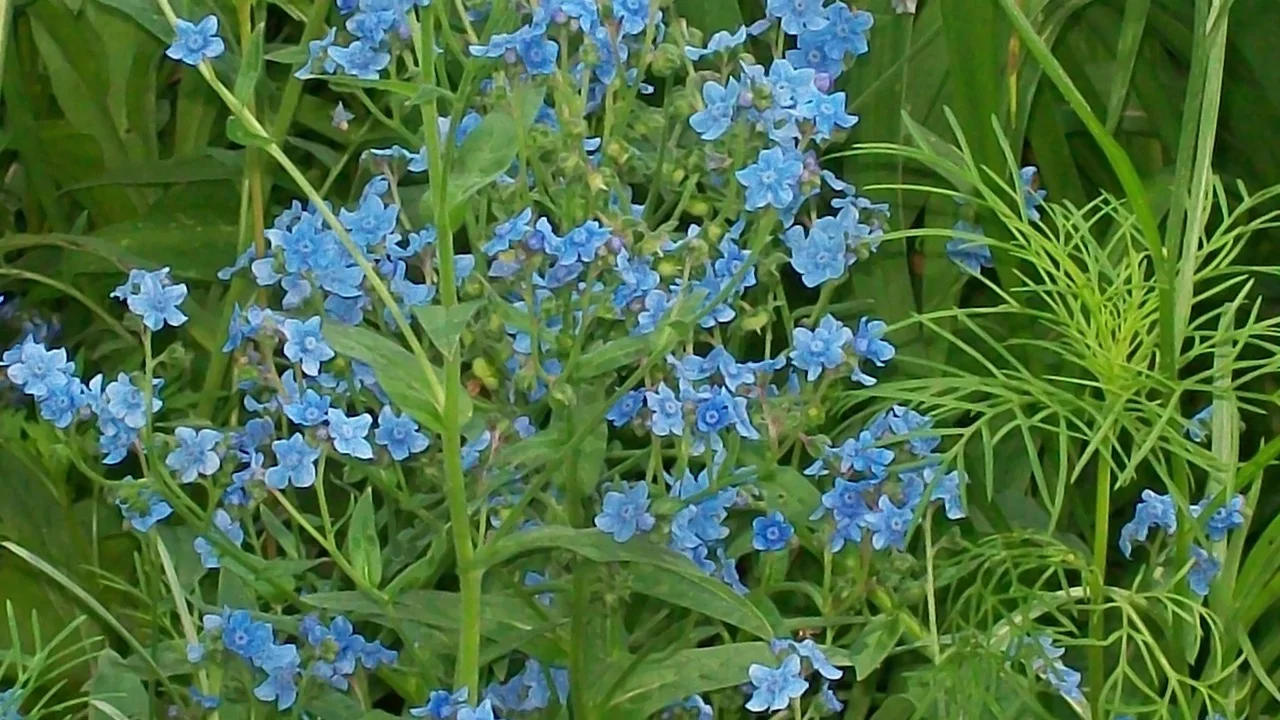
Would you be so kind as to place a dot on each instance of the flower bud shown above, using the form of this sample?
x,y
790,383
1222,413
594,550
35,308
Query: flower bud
x,y
667,60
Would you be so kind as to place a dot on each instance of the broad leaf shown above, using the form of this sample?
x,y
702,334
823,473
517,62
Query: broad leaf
x,y
659,572
362,547
658,684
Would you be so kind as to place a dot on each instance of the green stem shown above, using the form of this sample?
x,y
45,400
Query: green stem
x,y
1097,579
579,693
467,669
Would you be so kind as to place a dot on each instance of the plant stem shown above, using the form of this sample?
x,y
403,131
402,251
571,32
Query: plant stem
x,y
467,669
1097,579
578,681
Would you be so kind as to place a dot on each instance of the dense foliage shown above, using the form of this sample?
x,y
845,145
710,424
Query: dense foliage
x,y
574,359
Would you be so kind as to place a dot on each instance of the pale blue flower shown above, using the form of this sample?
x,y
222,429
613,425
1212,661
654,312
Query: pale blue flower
x,y
195,42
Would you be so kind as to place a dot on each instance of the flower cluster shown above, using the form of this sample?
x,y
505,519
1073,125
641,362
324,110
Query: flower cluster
x,y
788,108
773,688
864,496
1160,511
331,653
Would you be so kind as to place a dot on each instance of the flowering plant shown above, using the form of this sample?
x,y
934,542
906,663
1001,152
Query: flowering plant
x,y
565,410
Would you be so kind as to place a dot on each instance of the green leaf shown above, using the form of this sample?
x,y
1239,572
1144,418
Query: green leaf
x,y
192,246
362,546
874,644
660,683
490,149
711,16
444,325
238,133
289,55
116,685
659,572
233,591
213,164
250,66
415,93
611,356
397,373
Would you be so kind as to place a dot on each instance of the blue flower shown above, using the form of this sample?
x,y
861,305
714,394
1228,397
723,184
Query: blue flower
x,y
809,650
295,463
1200,424
638,279
1063,679
349,433
771,532
38,370
1224,519
536,52
860,454
1032,198
822,348
441,704
281,686
797,15
773,688
308,408
196,41
245,637
947,489
868,344
11,704
634,15
154,298
145,510
847,29
828,112
471,451
668,411
195,455
820,51
720,102
318,53
626,513
969,254
370,222
772,179
361,59
821,255
304,344
580,244
888,524
223,522
830,703
399,434
1204,568
483,711
60,406
124,401
1154,510
656,304
625,410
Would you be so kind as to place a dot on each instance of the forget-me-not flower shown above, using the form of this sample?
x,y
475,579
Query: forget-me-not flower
x,y
771,532
295,463
195,42
773,688
626,513
821,348
195,455
399,434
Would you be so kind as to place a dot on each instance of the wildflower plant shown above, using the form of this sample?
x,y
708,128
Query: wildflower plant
x,y
548,401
